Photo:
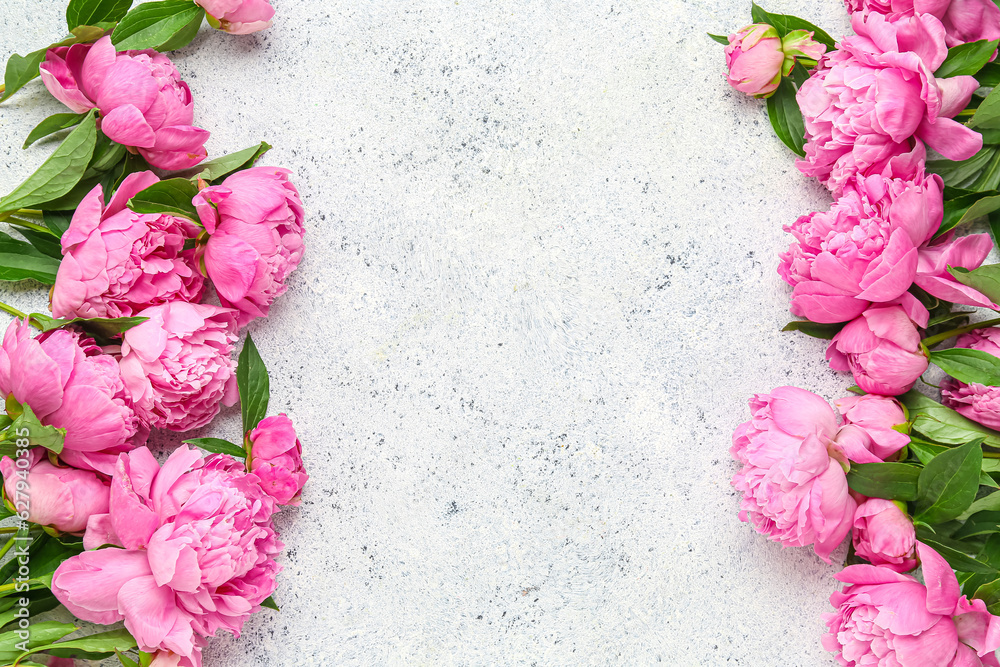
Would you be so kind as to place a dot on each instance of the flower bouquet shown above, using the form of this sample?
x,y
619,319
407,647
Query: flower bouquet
x,y
154,260
899,122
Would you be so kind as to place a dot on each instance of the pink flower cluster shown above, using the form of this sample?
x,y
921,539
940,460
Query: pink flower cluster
x,y
871,107
180,551
794,456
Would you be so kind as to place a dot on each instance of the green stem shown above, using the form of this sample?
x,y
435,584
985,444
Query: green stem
x,y
17,222
12,310
934,340
7,547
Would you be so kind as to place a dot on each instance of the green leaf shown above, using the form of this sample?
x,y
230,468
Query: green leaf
x,y
102,642
990,594
964,173
45,243
60,172
20,70
989,178
893,481
154,25
942,424
980,523
989,75
270,604
967,208
970,366
985,279
988,113
172,196
988,503
185,35
958,560
58,221
786,118
218,446
220,167
784,24
254,385
720,39
26,425
948,484
956,318
814,329
28,267
966,59
125,660
101,328
41,634
925,451
52,124
91,12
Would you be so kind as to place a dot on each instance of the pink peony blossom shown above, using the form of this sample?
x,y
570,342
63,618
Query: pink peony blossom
x,y
883,617
872,102
239,17
140,96
757,57
116,262
977,402
964,20
882,349
63,498
883,535
872,420
196,553
864,249
276,457
177,365
255,224
793,490
754,59
69,383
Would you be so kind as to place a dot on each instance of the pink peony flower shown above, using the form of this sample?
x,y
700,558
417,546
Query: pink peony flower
x,y
63,498
196,553
754,59
964,20
883,535
871,420
864,249
882,349
757,57
883,617
977,402
255,224
140,96
239,17
69,383
276,457
870,103
177,364
793,490
116,262
61,662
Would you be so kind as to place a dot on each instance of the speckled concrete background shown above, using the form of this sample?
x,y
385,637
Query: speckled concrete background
x,y
539,288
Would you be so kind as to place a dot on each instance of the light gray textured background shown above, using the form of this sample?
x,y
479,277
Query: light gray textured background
x,y
539,288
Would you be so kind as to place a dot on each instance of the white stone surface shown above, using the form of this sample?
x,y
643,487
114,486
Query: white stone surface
x,y
539,288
